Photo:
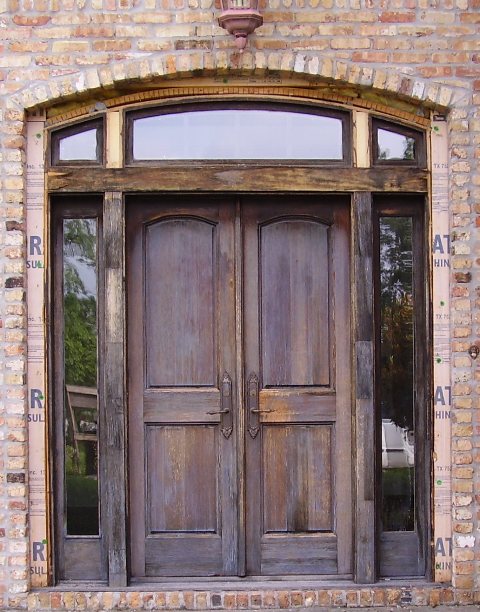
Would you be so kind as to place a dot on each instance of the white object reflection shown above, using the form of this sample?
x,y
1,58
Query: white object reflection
x,y
398,449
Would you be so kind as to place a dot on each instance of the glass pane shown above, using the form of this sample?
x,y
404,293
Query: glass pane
x,y
237,134
396,373
395,146
82,146
80,355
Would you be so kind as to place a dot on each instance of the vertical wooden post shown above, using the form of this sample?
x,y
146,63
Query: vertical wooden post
x,y
364,366
114,143
114,389
361,139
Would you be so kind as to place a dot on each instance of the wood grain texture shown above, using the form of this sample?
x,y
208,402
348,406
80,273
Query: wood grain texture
x,y
183,470
237,177
192,555
113,390
178,458
300,554
297,464
399,554
193,404
292,463
363,325
306,405
180,307
294,272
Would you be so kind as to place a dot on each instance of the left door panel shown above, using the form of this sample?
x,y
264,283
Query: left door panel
x,y
181,371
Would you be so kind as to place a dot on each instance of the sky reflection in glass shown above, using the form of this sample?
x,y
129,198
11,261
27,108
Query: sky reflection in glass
x,y
82,146
237,134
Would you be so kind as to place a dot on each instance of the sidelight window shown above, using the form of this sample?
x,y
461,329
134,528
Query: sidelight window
x,y
77,403
401,362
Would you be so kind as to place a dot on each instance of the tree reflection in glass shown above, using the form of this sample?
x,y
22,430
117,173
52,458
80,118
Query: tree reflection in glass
x,y
393,146
80,358
396,373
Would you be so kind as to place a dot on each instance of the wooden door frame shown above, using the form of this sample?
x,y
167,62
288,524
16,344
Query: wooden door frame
x,y
252,178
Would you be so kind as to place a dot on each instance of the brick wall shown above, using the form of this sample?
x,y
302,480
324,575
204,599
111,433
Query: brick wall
x,y
425,50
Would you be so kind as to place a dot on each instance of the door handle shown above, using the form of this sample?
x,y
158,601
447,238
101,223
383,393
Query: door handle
x,y
252,405
219,412
225,405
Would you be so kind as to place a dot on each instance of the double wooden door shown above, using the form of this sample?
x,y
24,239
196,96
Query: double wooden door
x,y
239,385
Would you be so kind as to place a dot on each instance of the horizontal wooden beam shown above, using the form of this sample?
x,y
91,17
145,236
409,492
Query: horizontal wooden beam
x,y
237,177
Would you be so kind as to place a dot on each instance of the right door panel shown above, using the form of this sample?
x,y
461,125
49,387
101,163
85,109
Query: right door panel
x,y
297,371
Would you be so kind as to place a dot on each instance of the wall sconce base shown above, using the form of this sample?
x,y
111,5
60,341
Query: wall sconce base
x,y
240,23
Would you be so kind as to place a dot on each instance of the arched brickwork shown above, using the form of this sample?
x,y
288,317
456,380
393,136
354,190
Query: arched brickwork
x,y
369,87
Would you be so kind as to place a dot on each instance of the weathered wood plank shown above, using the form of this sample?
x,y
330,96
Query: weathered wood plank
x,y
279,555
362,300
114,390
237,177
398,552
285,405
172,556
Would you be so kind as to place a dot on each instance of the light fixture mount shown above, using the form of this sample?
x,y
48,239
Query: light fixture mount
x,y
240,18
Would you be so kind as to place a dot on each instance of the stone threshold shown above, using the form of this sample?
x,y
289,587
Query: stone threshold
x,y
271,595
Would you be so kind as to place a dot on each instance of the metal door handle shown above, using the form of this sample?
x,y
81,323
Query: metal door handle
x,y
260,411
225,405
252,405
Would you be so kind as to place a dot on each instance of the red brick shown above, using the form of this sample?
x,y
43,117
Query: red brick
x,y
397,17
30,20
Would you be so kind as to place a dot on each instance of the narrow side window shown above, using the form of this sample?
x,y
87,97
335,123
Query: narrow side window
x,y
77,407
401,391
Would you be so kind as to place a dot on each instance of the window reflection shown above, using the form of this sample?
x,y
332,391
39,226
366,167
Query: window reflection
x,y
80,358
396,373
81,146
237,134
395,146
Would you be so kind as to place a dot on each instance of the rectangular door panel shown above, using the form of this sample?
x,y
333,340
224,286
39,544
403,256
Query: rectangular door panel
x,y
294,302
178,458
299,555
172,556
180,306
297,467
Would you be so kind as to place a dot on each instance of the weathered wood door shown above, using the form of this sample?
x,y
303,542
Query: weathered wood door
x,y
239,386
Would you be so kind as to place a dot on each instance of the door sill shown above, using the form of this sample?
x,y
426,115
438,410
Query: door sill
x,y
235,583
241,582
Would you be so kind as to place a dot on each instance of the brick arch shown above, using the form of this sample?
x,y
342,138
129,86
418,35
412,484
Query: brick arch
x,y
313,67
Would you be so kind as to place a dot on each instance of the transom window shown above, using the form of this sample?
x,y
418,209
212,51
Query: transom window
x,y
234,132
